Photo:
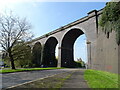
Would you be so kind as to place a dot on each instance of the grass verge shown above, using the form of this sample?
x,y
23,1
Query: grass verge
x,y
101,79
51,83
26,69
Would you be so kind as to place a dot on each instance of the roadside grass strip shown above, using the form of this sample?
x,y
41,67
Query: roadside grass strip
x,y
101,79
26,69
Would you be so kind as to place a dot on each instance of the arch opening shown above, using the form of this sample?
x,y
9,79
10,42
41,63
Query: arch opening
x,y
80,51
49,58
67,47
56,52
37,54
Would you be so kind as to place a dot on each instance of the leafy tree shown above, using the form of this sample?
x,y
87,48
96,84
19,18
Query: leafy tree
x,y
80,63
13,29
110,19
22,55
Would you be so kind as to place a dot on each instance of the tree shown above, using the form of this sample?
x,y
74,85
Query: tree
x,y
13,29
23,55
80,63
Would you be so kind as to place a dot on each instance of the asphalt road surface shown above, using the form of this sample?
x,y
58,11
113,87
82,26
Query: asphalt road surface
x,y
12,79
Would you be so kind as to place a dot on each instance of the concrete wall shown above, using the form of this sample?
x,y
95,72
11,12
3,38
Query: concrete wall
x,y
106,52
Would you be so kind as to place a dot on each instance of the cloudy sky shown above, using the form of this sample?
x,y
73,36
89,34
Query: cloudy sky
x,y
50,15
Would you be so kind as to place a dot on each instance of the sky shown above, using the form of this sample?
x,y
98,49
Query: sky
x,y
48,16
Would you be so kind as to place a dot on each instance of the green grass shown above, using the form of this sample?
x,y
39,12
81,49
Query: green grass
x,y
101,79
26,69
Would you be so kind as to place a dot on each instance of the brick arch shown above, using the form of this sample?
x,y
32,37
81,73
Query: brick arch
x,y
67,47
36,51
49,59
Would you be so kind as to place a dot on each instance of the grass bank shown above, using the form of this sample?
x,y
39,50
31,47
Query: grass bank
x,y
101,79
26,69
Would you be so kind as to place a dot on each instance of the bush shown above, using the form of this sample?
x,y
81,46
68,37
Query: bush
x,y
26,66
78,64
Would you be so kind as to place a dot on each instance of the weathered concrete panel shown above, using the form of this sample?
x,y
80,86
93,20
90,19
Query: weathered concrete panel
x,y
107,53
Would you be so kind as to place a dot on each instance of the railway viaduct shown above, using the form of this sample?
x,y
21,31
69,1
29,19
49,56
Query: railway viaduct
x,y
102,49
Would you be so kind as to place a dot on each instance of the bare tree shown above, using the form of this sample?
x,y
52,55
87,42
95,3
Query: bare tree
x,y
13,30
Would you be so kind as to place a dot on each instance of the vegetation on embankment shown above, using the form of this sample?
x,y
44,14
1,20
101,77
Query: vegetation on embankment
x,y
110,19
101,79
26,69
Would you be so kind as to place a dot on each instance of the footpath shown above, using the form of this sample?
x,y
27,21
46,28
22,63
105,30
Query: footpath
x,y
76,80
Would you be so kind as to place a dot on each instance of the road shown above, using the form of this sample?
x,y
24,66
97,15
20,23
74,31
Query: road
x,y
11,79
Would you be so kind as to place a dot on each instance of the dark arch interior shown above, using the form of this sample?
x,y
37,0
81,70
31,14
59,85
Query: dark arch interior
x,y
30,53
49,59
37,54
67,49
